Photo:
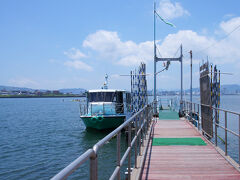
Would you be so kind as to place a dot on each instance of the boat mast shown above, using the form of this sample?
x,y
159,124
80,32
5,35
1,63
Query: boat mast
x,y
105,85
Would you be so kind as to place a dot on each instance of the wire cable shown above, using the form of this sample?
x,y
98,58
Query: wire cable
x,y
227,35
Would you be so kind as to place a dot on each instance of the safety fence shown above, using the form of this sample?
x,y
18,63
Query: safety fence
x,y
220,117
137,127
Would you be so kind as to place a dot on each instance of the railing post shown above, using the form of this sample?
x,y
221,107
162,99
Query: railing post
x,y
194,109
191,119
140,134
215,126
198,117
147,115
142,130
80,109
226,134
129,155
135,146
93,168
145,129
103,109
139,137
118,153
91,109
239,140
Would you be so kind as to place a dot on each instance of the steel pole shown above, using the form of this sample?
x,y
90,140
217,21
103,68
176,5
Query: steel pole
x,y
191,83
181,108
154,39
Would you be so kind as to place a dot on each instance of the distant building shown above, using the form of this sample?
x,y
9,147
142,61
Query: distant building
x,y
4,92
24,93
38,93
48,92
56,92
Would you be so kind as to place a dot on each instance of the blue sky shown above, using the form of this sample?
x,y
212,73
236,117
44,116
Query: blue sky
x,y
72,44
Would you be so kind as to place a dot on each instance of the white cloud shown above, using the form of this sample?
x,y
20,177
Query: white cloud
x,y
78,65
23,82
109,45
170,10
74,54
219,51
128,53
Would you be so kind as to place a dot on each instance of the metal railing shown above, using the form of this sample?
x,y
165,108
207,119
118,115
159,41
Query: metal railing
x,y
194,108
140,121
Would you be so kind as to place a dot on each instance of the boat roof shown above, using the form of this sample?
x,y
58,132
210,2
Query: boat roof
x,y
106,90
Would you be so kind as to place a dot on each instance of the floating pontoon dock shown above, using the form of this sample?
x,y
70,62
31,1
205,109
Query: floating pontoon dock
x,y
177,150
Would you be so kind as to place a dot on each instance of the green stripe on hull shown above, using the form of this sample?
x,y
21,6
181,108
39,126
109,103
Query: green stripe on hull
x,y
100,122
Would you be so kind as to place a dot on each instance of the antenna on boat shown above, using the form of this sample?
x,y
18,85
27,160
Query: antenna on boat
x,y
105,85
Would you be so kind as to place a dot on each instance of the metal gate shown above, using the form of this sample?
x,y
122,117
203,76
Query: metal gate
x,y
205,96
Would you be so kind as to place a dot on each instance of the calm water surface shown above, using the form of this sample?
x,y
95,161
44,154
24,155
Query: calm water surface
x,y
40,136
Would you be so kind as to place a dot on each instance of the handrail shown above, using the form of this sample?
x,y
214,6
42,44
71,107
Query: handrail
x,y
216,124
142,120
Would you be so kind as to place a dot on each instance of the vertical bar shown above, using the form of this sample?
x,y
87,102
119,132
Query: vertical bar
x,y
118,153
181,80
91,109
215,127
140,133
104,109
147,120
155,67
135,149
194,113
129,155
226,133
191,80
211,84
239,140
198,117
80,109
93,168
144,126
191,111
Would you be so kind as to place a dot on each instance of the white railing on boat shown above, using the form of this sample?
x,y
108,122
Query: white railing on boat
x,y
103,108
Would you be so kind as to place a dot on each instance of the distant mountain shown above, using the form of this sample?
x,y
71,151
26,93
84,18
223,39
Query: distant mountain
x,y
225,89
65,91
72,91
230,89
11,88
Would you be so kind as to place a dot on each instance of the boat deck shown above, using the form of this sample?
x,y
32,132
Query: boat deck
x,y
181,157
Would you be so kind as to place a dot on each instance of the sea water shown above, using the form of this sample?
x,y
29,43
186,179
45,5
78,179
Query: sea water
x,y
41,136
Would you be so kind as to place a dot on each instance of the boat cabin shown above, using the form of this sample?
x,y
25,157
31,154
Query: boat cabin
x,y
108,102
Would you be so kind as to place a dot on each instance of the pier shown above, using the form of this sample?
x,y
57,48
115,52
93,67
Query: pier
x,y
177,150
164,147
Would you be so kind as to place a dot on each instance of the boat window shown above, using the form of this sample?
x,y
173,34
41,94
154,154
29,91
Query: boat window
x,y
101,97
119,97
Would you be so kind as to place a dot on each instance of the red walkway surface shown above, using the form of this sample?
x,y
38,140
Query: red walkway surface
x,y
184,162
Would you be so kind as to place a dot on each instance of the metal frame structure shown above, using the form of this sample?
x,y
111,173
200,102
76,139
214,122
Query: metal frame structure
x,y
143,123
195,107
156,59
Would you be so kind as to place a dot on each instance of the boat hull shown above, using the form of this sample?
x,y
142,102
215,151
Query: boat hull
x,y
103,122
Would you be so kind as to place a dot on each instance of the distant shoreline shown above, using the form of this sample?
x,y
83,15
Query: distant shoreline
x,y
22,96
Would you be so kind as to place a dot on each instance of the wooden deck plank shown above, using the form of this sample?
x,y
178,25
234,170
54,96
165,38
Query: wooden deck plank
x,y
184,162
